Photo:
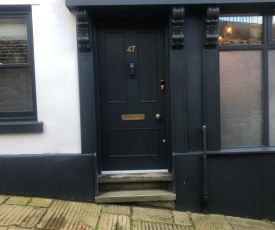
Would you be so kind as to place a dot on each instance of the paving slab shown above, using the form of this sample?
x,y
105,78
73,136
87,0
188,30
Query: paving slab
x,y
16,228
157,204
158,226
182,218
249,224
114,222
23,216
40,202
18,200
23,213
207,222
152,215
3,198
116,209
70,216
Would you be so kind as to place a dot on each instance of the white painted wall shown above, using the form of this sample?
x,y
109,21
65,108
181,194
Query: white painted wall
x,y
57,89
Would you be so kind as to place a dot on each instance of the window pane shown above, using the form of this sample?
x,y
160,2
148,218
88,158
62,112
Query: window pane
x,y
271,84
15,90
240,30
13,41
273,28
241,98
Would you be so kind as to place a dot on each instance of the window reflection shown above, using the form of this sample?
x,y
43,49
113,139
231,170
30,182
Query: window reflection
x,y
13,41
240,30
273,28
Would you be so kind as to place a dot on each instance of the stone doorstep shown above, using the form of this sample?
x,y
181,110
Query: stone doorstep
x,y
135,178
135,186
128,196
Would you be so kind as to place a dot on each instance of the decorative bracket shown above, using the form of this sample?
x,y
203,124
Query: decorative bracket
x,y
83,31
177,37
212,27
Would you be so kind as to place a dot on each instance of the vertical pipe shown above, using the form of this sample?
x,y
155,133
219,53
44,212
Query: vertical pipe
x,y
205,193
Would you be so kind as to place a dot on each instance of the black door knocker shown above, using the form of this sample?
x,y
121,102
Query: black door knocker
x,y
132,69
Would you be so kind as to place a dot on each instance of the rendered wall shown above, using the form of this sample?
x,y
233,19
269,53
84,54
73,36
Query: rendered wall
x,y
56,76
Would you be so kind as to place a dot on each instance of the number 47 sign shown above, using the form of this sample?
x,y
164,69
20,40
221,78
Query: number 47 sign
x,y
131,49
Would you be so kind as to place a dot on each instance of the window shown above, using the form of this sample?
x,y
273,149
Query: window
x,y
273,28
241,30
242,89
17,84
241,101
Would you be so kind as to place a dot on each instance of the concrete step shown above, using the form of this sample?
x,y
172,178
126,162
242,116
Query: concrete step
x,y
135,177
115,182
132,196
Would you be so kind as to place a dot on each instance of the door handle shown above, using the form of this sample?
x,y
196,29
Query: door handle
x,y
132,69
158,116
162,85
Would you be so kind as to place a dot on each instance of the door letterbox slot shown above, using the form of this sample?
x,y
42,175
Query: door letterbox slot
x,y
132,117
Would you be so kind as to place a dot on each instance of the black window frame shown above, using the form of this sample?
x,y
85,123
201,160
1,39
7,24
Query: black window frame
x,y
23,121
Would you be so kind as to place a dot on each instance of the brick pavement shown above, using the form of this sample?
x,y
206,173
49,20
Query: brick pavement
x,y
21,213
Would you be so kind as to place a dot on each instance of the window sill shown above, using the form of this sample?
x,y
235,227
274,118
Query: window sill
x,y
20,2
244,150
21,127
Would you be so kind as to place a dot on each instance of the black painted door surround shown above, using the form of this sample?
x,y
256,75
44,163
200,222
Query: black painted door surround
x,y
132,95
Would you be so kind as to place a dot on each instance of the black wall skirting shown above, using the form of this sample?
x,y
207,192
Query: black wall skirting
x,y
238,185
61,176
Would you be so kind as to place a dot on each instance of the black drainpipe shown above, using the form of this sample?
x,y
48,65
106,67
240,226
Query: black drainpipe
x,y
205,193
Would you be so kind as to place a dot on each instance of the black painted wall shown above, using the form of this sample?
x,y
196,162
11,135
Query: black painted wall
x,y
238,185
62,176
193,49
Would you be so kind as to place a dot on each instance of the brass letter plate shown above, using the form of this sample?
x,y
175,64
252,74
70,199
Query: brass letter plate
x,y
132,117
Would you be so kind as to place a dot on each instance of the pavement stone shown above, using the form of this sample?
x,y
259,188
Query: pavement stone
x,y
18,200
22,216
158,204
209,222
3,198
158,226
249,224
70,216
41,214
116,209
40,202
182,218
15,228
114,222
152,215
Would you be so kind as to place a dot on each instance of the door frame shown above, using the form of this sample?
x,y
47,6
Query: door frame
x,y
88,75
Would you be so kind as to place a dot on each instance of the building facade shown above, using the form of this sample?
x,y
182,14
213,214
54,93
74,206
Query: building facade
x,y
92,87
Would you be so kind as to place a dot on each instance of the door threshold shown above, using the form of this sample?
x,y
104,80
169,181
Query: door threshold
x,y
134,171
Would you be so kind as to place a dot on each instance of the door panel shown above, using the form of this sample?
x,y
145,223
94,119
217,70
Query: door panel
x,y
136,139
130,66
115,66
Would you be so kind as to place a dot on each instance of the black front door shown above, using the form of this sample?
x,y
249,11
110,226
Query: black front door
x,y
132,95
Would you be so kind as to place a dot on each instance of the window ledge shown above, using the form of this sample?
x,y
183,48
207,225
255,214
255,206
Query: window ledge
x,y
21,127
20,2
244,150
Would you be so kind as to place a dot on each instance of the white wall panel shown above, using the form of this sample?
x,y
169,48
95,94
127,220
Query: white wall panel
x,y
57,89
